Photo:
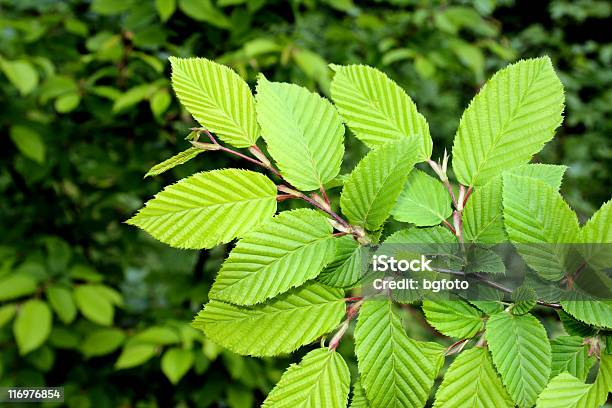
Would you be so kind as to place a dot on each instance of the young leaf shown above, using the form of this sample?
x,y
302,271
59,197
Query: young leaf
x,y
94,305
512,117
208,208
435,353
454,318
485,261
359,400
102,341
175,363
321,379
7,312
394,370
344,269
280,326
563,391
217,98
524,298
377,110
135,355
32,325
303,131
372,188
471,382
521,353
570,354
535,212
482,215
283,253
176,160
62,302
424,201
596,235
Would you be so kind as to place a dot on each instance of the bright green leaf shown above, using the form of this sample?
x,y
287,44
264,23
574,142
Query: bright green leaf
x,y
359,400
62,303
535,212
165,8
563,391
454,318
471,382
521,353
6,313
511,118
176,160
344,269
93,304
424,201
280,326
570,354
204,10
32,325
159,335
371,190
175,363
102,341
21,73
321,379
257,269
135,355
394,370
303,132
208,208
378,110
217,98
15,285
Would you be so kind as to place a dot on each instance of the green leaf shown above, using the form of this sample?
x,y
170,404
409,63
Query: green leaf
x,y
208,208
549,173
21,73
599,390
359,400
344,270
94,305
424,201
165,8
102,341
394,370
575,328
570,354
321,379
303,132
598,230
377,110
176,160
435,353
482,215
204,10
159,102
62,303
29,143
594,312
524,299
471,382
563,391
175,363
15,286
257,269
371,190
32,325
485,261
135,355
512,117
535,212
280,326
67,103
110,7
521,353
6,313
454,318
217,98
132,97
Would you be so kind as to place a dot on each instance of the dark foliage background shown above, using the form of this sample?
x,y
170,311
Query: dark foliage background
x,y
87,109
